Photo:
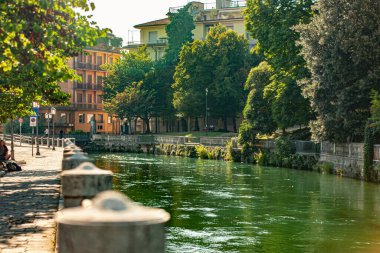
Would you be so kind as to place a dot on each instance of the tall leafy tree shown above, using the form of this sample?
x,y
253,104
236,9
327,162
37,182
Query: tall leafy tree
x,y
129,89
258,108
179,32
342,50
219,64
36,39
271,24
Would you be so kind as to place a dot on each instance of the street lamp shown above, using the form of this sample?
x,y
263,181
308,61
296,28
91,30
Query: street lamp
x,y
206,111
36,107
52,112
48,117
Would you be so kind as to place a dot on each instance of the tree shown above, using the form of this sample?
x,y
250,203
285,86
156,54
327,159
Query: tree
x,y
110,41
271,24
341,46
219,64
179,32
129,89
36,40
258,108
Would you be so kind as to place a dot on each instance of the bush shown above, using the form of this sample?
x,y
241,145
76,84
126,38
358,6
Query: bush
x,y
231,154
262,158
201,151
247,154
324,167
285,147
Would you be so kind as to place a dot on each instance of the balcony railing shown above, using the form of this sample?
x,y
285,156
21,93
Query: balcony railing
x,y
88,66
88,86
159,42
86,106
210,6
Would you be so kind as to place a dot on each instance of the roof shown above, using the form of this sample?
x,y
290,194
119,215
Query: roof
x,y
164,21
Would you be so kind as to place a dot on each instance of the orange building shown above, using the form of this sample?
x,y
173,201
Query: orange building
x,y
86,110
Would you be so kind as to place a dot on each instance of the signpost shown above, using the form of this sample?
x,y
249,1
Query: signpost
x,y
20,120
33,123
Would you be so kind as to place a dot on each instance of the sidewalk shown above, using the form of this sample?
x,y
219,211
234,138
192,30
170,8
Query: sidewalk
x,y
28,202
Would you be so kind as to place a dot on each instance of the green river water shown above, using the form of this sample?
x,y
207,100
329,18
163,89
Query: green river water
x,y
218,206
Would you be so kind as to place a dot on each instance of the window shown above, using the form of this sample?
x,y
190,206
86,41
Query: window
x,y
99,79
81,118
99,99
89,79
100,118
100,127
110,60
79,97
89,59
62,118
109,120
89,98
99,60
153,36
89,117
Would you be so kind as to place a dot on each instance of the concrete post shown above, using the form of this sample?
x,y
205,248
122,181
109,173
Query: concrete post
x,y
111,223
83,182
74,160
68,153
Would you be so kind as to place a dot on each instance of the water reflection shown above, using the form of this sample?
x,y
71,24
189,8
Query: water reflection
x,y
228,207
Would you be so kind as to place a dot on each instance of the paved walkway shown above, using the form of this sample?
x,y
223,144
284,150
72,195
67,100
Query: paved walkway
x,y
28,202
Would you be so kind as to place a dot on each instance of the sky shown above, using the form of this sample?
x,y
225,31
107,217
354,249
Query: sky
x,y
121,15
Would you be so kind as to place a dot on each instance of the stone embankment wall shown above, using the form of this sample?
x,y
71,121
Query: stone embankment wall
x,y
347,159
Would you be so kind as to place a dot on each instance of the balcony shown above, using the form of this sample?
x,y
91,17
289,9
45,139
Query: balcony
x,y
224,4
87,66
156,43
87,106
88,86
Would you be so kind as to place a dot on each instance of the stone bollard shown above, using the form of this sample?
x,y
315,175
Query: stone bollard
x,y
111,223
73,152
85,181
67,142
74,160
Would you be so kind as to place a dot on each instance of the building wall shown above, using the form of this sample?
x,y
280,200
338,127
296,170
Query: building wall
x,y
86,100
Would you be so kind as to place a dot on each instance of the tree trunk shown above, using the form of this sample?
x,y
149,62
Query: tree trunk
x,y
135,125
196,124
225,123
184,125
12,143
234,122
146,120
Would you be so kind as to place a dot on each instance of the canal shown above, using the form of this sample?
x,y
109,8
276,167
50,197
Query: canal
x,y
218,206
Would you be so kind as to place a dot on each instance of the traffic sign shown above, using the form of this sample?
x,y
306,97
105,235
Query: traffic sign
x,y
33,121
20,120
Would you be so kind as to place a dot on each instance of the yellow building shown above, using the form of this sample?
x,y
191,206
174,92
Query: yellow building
x,y
225,12
86,102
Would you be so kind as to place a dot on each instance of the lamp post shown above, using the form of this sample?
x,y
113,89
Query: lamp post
x,y
47,117
52,112
36,107
206,111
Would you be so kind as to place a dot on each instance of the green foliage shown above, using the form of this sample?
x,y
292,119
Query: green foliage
x,y
285,147
375,110
231,153
324,167
247,135
247,154
258,111
271,23
368,150
179,32
36,40
129,90
201,151
110,41
262,157
341,48
219,64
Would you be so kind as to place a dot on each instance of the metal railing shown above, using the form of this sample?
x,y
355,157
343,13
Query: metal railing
x,y
42,141
354,150
88,86
89,66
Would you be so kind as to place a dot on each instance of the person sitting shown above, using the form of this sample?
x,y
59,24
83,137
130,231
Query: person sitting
x,y
4,155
